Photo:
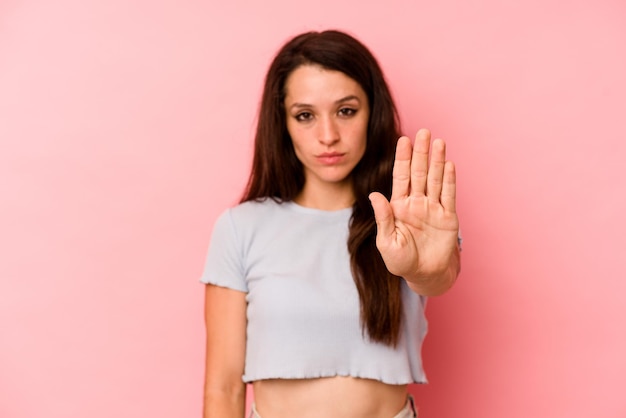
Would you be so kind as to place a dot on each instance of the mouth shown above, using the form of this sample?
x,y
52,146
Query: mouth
x,y
329,158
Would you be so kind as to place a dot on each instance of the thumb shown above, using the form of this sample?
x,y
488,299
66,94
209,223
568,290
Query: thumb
x,y
383,214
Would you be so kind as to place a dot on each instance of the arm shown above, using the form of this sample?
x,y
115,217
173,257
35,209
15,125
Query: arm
x,y
417,229
225,319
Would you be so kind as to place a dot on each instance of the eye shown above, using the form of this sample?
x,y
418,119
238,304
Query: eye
x,y
347,111
304,116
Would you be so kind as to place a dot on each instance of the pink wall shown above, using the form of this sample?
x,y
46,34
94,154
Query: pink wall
x,y
125,128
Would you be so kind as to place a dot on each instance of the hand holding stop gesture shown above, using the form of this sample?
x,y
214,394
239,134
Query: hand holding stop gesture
x,y
418,228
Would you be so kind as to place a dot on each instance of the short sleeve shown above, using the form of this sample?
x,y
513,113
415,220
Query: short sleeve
x,y
224,261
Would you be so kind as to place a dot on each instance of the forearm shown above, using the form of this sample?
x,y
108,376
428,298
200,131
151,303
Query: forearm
x,y
225,404
436,283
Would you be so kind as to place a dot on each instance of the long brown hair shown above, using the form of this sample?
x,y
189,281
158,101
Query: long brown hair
x,y
278,174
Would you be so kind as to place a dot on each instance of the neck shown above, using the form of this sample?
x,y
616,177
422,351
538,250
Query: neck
x,y
331,197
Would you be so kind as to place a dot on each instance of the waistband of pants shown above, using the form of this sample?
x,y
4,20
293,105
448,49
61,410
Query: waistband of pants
x,y
409,410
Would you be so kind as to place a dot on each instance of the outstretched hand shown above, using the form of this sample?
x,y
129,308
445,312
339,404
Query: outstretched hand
x,y
418,228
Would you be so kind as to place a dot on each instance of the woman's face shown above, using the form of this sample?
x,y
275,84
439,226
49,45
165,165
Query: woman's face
x,y
327,115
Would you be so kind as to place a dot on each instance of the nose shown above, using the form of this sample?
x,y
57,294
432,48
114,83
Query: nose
x,y
328,133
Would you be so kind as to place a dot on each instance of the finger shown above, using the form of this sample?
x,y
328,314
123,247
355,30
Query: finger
x,y
435,170
385,222
419,163
401,169
448,192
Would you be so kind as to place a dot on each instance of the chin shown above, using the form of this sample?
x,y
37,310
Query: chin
x,y
331,177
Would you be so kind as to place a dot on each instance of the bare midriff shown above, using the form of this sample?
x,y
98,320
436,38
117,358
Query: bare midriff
x,y
329,397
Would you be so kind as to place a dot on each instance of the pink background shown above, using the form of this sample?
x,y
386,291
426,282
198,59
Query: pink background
x,y
126,127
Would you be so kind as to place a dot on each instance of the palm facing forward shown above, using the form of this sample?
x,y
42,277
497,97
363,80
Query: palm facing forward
x,y
418,228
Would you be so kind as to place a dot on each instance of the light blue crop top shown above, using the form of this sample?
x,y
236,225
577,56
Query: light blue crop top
x,y
303,306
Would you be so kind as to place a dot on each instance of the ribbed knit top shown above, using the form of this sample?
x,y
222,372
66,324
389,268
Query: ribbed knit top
x,y
303,305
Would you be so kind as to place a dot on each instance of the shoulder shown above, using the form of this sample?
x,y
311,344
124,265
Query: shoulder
x,y
253,209
252,214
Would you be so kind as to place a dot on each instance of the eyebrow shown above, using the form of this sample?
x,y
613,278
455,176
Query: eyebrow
x,y
342,100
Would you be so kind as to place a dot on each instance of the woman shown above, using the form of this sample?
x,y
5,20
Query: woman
x,y
317,280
